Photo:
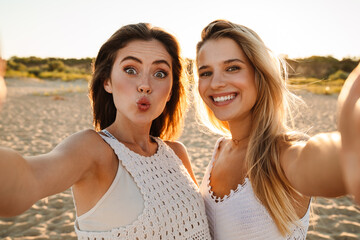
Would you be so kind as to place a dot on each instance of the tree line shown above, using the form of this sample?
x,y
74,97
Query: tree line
x,y
49,68
319,67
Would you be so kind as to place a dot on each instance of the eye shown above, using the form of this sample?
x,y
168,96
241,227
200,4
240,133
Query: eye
x,y
160,74
233,69
130,70
205,74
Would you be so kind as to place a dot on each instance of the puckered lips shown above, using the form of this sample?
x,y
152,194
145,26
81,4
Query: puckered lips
x,y
222,99
143,104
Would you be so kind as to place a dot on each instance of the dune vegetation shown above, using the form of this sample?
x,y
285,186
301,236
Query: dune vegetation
x,y
318,74
49,68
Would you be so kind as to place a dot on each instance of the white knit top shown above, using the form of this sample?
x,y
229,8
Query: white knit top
x,y
241,216
123,196
173,207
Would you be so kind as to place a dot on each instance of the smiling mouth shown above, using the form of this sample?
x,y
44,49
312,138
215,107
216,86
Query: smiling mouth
x,y
225,98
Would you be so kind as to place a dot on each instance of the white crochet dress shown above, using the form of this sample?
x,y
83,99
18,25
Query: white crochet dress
x,y
173,206
241,216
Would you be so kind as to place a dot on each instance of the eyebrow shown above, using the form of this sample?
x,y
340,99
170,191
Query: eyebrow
x,y
234,60
131,58
139,61
203,67
162,61
226,62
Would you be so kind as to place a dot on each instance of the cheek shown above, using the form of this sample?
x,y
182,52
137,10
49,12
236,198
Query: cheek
x,y
252,90
169,88
201,89
244,82
164,88
124,86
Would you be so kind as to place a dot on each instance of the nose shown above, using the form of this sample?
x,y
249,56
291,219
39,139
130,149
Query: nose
x,y
144,89
217,81
144,86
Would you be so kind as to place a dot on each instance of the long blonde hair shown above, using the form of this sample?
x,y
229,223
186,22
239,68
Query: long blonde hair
x,y
269,121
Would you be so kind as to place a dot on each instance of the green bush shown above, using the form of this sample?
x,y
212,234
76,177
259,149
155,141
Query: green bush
x,y
56,65
339,74
12,65
15,74
64,76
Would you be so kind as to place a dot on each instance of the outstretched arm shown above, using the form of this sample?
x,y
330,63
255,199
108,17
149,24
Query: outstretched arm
x,y
23,181
313,168
349,127
329,163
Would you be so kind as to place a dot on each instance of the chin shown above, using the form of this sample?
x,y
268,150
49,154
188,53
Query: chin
x,y
222,117
144,120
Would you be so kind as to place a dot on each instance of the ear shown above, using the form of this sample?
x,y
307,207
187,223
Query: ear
x,y
107,85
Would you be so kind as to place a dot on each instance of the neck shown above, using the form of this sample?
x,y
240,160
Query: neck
x,y
240,142
131,133
240,132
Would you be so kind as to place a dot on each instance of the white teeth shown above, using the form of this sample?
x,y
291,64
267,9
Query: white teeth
x,y
224,98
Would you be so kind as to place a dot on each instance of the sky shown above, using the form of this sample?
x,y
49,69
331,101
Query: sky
x,y
78,28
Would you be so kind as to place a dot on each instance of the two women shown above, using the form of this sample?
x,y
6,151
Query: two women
x,y
128,183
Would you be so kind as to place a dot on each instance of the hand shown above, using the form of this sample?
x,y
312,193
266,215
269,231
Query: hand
x,y
2,67
2,82
349,127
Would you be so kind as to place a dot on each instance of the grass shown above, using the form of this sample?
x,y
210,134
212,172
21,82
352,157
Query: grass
x,y
57,93
315,85
64,76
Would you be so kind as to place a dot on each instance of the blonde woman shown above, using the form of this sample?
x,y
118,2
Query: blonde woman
x,y
130,179
261,176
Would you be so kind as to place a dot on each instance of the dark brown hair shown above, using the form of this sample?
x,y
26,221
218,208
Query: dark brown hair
x,y
169,124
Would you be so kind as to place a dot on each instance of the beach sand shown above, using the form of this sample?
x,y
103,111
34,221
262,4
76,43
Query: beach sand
x,y
39,114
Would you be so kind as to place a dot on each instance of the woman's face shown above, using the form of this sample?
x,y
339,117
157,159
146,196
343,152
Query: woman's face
x,y
226,79
141,81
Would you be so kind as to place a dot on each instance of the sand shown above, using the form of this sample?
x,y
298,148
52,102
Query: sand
x,y
39,114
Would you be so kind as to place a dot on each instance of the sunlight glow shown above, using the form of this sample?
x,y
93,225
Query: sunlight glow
x,y
76,29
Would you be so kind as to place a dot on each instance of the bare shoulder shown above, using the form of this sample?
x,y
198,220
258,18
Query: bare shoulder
x,y
179,149
90,151
315,145
289,152
87,143
7,153
83,137
181,152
